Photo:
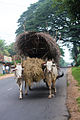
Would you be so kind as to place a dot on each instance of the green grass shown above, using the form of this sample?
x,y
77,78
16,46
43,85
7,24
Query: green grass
x,y
76,74
78,101
67,83
1,74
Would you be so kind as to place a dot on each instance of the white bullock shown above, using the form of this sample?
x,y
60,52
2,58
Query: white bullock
x,y
19,79
51,74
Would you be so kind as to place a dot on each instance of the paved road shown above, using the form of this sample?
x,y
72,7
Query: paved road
x,y
35,106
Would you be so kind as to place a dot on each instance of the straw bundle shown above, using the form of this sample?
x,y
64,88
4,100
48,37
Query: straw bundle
x,y
40,45
33,70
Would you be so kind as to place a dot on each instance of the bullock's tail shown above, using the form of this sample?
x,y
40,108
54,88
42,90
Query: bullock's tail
x,y
60,75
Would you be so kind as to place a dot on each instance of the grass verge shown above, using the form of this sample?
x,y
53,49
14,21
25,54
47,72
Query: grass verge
x,y
78,101
76,74
1,74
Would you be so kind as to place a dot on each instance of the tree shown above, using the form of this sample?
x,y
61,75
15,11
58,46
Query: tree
x,y
72,33
71,6
11,49
2,46
8,50
3,51
63,63
42,16
78,59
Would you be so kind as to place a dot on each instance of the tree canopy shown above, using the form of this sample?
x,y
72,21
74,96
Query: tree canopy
x,y
7,49
72,33
71,6
50,16
3,50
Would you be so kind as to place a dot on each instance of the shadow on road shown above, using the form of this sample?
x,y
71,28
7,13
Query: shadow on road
x,y
37,93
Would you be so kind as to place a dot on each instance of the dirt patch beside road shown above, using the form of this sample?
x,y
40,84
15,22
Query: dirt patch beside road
x,y
73,94
6,76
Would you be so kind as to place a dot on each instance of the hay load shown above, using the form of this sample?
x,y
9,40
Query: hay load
x,y
33,70
37,45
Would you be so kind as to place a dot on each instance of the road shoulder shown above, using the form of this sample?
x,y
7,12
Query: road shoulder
x,y
6,76
73,93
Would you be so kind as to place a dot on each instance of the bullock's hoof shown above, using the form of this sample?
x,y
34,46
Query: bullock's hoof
x,y
44,80
50,96
54,93
20,98
30,88
26,93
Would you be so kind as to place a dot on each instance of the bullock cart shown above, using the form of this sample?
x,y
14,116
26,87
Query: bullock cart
x,y
35,48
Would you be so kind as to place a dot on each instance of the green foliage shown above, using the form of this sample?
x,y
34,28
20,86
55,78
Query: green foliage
x,y
17,61
1,74
78,101
62,52
7,50
51,15
78,59
11,49
71,31
67,83
63,63
2,46
76,74
40,17
3,50
71,6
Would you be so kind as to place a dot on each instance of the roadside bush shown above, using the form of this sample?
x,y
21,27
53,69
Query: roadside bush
x,y
78,60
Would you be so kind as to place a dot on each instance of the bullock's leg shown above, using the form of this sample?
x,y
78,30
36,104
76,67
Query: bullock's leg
x,y
53,86
21,89
49,84
25,87
50,95
30,83
30,86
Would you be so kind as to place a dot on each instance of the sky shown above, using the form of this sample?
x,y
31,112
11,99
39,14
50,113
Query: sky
x,y
10,11
67,56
